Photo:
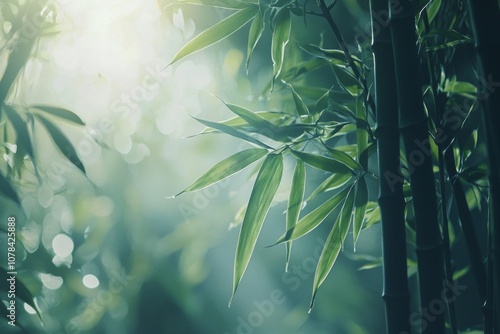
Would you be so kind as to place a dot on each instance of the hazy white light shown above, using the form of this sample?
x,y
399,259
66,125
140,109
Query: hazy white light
x,y
29,309
51,282
62,245
90,281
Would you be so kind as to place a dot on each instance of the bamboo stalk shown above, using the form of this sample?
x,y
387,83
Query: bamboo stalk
x,y
396,294
485,22
413,127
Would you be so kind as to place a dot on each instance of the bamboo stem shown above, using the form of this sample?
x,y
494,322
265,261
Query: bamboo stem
x,y
485,22
413,127
396,294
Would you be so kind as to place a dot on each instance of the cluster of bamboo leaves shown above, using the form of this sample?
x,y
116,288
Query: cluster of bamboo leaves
x,y
20,124
331,129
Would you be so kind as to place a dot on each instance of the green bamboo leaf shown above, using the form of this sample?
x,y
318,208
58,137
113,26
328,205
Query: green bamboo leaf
x,y
374,217
262,126
226,168
22,291
333,182
313,219
61,113
7,189
300,106
432,9
217,32
20,126
264,189
62,142
361,202
347,80
361,136
254,35
321,162
334,244
232,132
295,203
321,103
280,38
345,159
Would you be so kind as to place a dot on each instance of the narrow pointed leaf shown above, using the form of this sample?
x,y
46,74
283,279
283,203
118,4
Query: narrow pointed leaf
x,y
226,168
333,244
20,126
300,106
217,32
313,219
62,142
360,204
321,162
280,38
295,202
333,182
61,113
264,189
345,159
262,125
256,30
233,132
7,189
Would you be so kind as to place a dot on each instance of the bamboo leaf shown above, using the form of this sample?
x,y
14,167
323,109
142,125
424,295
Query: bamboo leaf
x,y
300,106
345,159
360,203
217,32
226,168
347,80
233,132
61,113
321,162
62,142
20,126
264,189
313,219
280,38
334,244
334,181
295,203
7,189
254,35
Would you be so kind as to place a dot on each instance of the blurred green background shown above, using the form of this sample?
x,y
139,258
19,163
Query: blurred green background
x,y
110,253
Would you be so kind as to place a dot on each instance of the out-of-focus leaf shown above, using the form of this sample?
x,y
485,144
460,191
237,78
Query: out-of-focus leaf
x,y
217,32
23,137
300,106
233,132
304,67
280,38
333,244
322,162
22,291
256,30
7,189
314,218
263,191
226,168
361,136
335,181
238,217
61,113
295,203
469,147
62,143
226,4
360,204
